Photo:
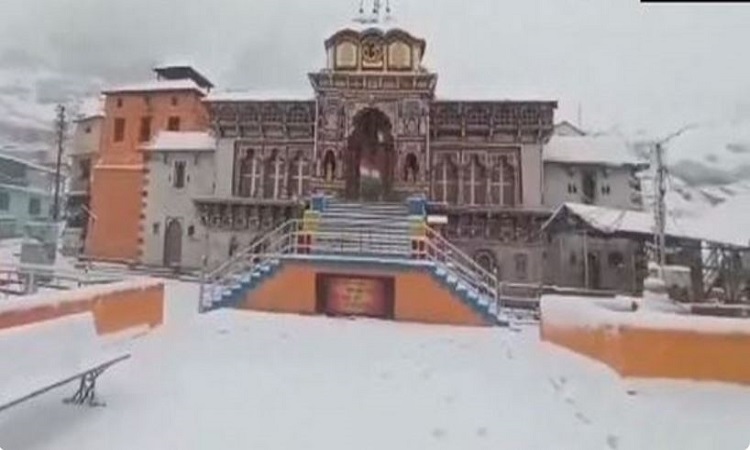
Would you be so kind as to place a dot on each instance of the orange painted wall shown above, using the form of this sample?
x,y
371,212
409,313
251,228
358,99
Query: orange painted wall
x,y
634,351
677,354
418,297
421,298
290,290
116,203
117,310
118,180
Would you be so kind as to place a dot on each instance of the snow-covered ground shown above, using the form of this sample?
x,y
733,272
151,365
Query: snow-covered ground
x,y
232,380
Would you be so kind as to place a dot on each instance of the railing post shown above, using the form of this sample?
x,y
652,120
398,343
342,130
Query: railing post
x,y
202,286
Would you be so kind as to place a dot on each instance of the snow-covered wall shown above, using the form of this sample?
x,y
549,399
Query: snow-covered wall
x,y
649,344
563,183
115,307
170,211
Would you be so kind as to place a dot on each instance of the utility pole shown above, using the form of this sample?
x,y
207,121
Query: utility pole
x,y
660,206
60,126
660,191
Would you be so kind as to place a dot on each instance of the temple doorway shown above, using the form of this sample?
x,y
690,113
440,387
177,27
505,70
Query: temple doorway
x,y
370,157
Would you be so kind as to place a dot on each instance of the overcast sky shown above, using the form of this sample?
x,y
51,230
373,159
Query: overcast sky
x,y
628,65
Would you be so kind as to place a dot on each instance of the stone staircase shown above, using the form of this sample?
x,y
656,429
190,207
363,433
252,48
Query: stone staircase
x,y
362,233
365,230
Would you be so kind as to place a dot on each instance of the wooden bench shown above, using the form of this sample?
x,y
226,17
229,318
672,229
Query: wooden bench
x,y
44,356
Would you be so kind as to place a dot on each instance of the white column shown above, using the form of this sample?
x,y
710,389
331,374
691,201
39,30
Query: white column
x,y
276,175
300,171
445,181
253,170
472,183
501,178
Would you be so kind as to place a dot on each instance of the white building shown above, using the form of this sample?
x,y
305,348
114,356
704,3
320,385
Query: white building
x,y
593,170
82,156
180,167
599,171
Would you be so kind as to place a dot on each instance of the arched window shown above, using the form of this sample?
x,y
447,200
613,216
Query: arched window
x,y
273,176
446,181
296,186
329,166
411,168
486,260
503,182
475,182
247,176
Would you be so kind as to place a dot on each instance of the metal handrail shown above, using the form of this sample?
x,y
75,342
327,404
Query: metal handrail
x,y
283,240
481,284
473,267
252,248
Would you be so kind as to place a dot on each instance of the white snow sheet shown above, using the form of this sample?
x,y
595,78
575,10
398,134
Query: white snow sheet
x,y
612,220
600,150
159,85
182,141
237,380
73,295
586,312
259,96
36,356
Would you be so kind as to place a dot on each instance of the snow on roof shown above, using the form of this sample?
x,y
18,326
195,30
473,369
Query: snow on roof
x,y
27,302
612,220
26,163
155,86
596,314
482,96
91,108
260,96
565,128
729,221
182,141
603,150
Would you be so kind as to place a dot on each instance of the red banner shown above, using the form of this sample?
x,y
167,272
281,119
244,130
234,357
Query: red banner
x,y
358,296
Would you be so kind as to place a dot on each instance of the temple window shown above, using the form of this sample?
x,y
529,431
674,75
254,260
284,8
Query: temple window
x,y
329,166
411,168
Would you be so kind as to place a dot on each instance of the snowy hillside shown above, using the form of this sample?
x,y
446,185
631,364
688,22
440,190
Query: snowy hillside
x,y
27,106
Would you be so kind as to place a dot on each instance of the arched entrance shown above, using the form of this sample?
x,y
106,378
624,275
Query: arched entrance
x,y
173,243
370,157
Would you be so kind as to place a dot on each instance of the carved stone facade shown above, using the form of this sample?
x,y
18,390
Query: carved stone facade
x,y
374,131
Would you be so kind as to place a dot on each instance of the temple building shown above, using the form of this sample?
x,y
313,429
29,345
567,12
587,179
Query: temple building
x,y
374,129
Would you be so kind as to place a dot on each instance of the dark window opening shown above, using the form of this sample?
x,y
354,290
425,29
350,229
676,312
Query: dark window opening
x,y
522,266
174,101
119,103
173,124
589,188
145,134
411,168
615,259
155,227
191,231
84,167
179,175
119,134
329,166
4,201
35,206
87,130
